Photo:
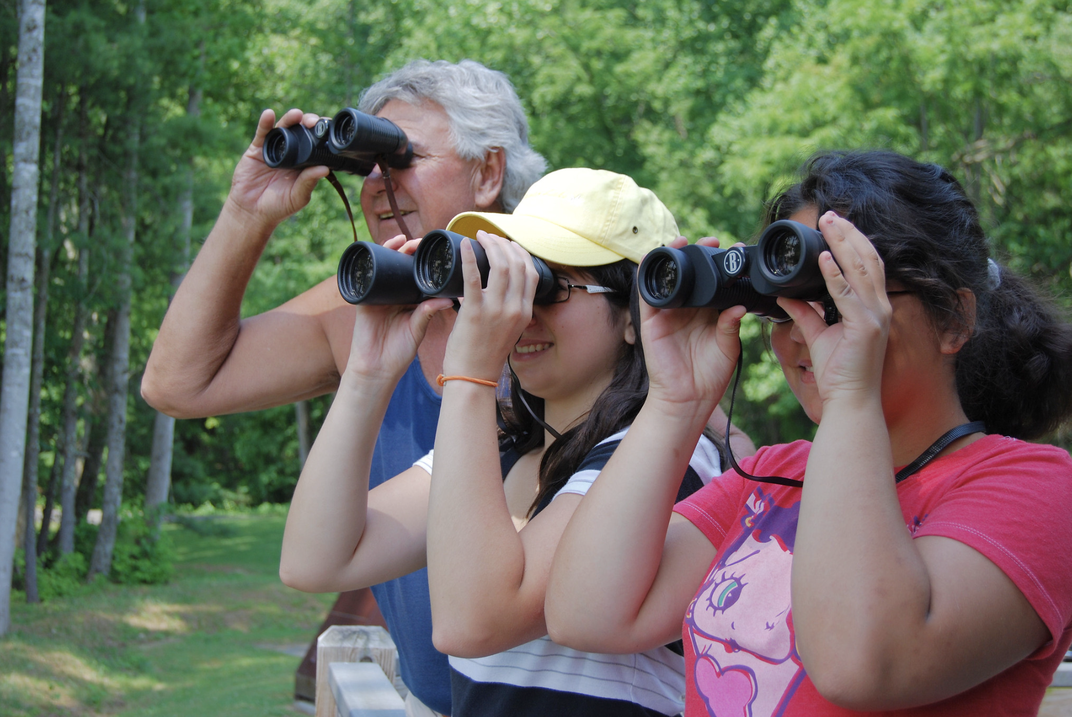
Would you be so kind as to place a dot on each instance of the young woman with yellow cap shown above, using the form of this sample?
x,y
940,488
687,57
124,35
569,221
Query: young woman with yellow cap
x,y
486,516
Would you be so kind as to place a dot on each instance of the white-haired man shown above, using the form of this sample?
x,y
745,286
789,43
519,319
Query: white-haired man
x,y
470,153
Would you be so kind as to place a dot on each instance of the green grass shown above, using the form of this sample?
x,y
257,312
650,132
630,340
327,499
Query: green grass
x,y
208,643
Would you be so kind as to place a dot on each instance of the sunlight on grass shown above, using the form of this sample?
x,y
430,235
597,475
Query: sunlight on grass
x,y
209,643
158,617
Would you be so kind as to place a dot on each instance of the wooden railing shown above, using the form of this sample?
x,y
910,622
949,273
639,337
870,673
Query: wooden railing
x,y
355,673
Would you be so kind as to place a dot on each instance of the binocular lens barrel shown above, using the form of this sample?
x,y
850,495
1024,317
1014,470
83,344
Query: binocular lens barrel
x,y
438,267
356,134
788,261
782,253
298,147
351,142
661,278
371,274
783,263
275,147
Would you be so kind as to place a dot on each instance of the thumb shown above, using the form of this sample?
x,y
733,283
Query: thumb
x,y
728,331
423,314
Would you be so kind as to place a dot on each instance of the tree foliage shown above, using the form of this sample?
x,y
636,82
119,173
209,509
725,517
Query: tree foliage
x,y
711,104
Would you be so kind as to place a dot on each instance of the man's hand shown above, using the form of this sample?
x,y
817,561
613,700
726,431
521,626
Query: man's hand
x,y
271,195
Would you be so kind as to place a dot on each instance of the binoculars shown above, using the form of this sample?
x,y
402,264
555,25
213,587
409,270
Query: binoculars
x,y
351,142
784,262
374,275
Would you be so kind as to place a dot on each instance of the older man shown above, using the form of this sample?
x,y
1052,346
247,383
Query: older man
x,y
470,153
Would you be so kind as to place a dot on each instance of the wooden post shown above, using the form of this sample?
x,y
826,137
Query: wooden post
x,y
361,689
350,643
355,607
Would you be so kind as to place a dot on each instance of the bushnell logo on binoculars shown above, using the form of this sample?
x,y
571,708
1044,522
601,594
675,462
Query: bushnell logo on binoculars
x,y
351,142
372,274
784,262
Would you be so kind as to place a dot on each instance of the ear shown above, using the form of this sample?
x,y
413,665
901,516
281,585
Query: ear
x,y
954,337
629,333
488,179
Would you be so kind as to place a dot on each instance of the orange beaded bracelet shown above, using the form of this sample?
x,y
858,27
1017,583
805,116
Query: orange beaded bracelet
x,y
441,379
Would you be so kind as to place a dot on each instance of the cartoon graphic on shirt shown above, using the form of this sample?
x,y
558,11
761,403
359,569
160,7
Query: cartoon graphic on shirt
x,y
739,622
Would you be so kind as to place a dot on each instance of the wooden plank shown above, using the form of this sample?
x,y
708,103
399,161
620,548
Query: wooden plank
x,y
356,607
351,643
361,689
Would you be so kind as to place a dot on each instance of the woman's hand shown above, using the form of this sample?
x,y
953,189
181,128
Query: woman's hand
x,y
386,337
847,357
271,195
690,352
491,319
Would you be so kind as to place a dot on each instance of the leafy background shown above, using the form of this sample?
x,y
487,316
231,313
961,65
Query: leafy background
x,y
711,104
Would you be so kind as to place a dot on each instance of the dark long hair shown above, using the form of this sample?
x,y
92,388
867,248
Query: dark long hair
x,y
1015,370
613,410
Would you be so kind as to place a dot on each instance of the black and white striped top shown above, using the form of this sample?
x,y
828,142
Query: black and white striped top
x,y
542,678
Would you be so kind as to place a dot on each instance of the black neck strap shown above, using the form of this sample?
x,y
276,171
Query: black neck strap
x,y
938,446
390,198
911,469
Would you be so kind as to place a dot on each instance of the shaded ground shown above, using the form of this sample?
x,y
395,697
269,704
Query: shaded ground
x,y
225,637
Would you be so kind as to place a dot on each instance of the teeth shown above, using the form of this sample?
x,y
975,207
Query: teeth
x,y
532,348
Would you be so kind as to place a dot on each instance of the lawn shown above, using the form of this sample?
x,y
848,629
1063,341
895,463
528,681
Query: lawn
x,y
212,642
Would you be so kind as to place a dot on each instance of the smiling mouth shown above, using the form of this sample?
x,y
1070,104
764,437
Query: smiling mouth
x,y
531,348
390,215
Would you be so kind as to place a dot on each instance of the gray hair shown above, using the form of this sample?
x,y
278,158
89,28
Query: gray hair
x,y
484,111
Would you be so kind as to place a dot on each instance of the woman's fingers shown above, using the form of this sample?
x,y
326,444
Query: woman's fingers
x,y
471,275
858,268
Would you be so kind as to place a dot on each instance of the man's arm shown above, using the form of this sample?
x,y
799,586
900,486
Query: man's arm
x,y
740,442
206,360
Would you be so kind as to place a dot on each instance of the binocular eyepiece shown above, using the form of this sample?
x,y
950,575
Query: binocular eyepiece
x,y
351,142
784,262
372,274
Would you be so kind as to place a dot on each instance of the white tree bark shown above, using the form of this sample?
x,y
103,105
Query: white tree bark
x,y
37,364
15,388
101,562
68,481
301,408
158,482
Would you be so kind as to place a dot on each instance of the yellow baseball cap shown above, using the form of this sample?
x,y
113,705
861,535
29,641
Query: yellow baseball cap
x,y
580,217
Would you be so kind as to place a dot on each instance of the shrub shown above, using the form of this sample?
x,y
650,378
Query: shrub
x,y
64,577
142,554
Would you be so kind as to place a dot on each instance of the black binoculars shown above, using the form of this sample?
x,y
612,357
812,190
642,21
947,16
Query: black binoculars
x,y
784,262
372,274
351,142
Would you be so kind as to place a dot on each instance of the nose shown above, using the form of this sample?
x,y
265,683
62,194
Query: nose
x,y
375,182
795,334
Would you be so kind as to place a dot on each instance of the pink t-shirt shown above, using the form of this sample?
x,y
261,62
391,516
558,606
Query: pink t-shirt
x,y
1007,499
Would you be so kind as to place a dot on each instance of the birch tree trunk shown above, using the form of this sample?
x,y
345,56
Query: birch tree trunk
x,y
101,562
301,408
158,482
37,366
68,479
15,385
94,439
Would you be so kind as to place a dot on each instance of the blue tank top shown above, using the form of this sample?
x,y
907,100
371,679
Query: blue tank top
x,y
408,433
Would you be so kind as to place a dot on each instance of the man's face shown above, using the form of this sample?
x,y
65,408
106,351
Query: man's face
x,y
436,187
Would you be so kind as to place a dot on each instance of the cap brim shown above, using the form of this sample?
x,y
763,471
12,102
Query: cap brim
x,y
539,237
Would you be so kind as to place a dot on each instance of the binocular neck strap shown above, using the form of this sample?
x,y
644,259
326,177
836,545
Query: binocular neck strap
x,y
390,198
338,188
382,161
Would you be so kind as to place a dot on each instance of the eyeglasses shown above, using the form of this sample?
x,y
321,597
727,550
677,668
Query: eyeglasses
x,y
563,290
